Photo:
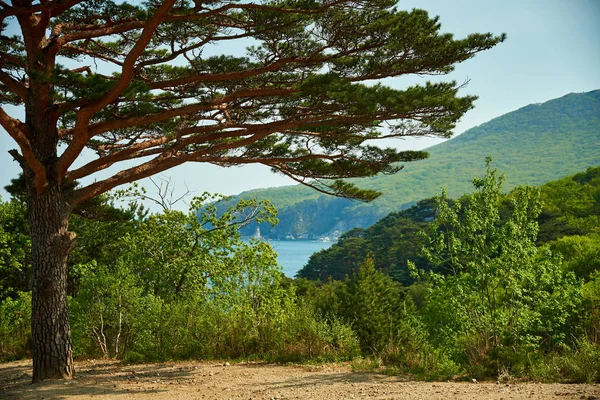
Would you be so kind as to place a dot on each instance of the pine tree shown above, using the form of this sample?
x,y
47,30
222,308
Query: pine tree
x,y
372,302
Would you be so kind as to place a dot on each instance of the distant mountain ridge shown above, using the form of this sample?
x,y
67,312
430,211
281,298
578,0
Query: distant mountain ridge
x,y
532,145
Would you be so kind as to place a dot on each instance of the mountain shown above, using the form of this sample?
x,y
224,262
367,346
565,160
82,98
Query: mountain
x,y
532,145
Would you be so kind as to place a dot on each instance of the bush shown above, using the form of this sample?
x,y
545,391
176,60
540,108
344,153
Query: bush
x,y
106,313
412,353
309,336
15,327
579,363
591,311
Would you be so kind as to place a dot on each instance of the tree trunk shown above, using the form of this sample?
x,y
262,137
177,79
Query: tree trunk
x,y
51,243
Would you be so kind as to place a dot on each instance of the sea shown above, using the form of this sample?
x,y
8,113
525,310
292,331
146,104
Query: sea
x,y
292,255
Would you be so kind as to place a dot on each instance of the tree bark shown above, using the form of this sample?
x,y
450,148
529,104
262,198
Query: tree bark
x,y
51,243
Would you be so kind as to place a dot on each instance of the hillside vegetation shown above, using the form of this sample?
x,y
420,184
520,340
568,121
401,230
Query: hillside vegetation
x,y
569,222
533,145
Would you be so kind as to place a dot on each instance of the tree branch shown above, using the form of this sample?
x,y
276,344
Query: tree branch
x,y
252,6
54,7
225,76
15,86
100,31
152,167
139,150
80,136
20,133
102,127
92,53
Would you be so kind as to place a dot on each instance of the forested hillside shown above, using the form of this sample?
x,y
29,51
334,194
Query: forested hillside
x,y
533,145
569,223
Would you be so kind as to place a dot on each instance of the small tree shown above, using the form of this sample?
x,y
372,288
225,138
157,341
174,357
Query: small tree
x,y
371,304
303,100
176,253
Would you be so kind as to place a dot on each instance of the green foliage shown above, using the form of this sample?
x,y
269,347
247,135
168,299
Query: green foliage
x,y
308,335
571,206
179,285
581,254
371,304
15,248
252,315
591,317
341,260
383,317
185,285
394,239
494,303
98,223
175,253
391,242
99,241
15,326
106,309
579,364
502,298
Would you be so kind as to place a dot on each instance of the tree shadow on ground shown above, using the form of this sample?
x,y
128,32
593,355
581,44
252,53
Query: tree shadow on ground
x,y
349,378
93,378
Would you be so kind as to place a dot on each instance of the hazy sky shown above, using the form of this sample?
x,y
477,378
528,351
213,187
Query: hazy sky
x,y
553,48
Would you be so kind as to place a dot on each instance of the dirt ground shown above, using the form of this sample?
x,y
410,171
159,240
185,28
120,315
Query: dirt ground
x,y
100,379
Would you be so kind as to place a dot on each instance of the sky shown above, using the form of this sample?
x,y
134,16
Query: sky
x,y
552,49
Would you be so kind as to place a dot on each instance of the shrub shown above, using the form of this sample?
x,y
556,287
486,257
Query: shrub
x,y
15,327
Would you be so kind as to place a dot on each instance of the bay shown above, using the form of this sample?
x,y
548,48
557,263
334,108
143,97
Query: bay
x,y
292,255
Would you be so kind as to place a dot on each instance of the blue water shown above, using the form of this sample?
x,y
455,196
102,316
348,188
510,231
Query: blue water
x,y
292,255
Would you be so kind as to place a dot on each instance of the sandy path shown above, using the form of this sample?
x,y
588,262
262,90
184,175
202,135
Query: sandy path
x,y
210,380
